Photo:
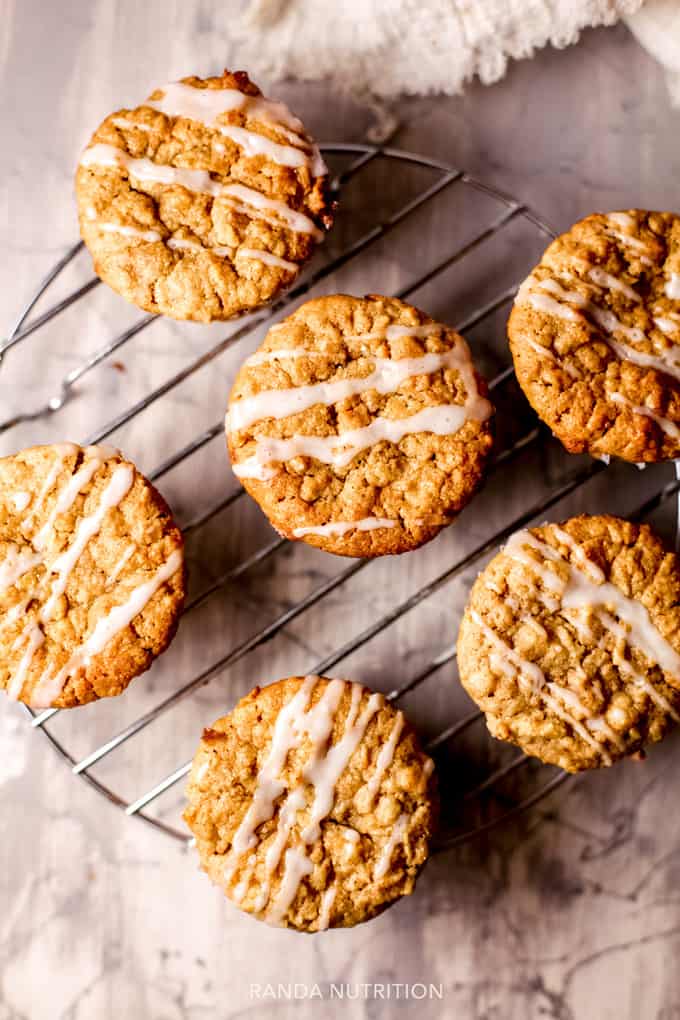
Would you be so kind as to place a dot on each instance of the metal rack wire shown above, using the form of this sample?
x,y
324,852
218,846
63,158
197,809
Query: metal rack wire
x,y
360,158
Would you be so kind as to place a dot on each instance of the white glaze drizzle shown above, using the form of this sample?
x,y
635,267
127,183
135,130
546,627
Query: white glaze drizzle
x,y
241,888
351,840
34,637
286,736
324,771
386,377
595,723
530,675
66,498
63,450
106,628
339,450
587,565
267,258
20,501
19,564
343,527
146,170
297,866
619,631
182,244
127,124
667,325
394,839
199,181
64,563
13,614
327,901
385,758
387,374
579,591
120,563
667,361
546,352
205,106
396,331
225,251
672,287
118,487
254,144
126,231
623,220
665,424
622,223
324,766
16,563
544,302
605,280
295,221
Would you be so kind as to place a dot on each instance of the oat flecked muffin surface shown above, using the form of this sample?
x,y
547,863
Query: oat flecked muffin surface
x,y
91,574
595,336
570,643
204,201
360,425
312,804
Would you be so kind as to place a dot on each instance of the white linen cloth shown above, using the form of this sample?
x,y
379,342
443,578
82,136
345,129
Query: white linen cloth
x,y
657,26
389,47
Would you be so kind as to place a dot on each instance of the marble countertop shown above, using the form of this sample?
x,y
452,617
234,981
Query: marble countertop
x,y
569,912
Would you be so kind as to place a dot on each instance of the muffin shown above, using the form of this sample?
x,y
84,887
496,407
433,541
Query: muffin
x,y
595,336
360,425
570,643
312,804
204,201
91,574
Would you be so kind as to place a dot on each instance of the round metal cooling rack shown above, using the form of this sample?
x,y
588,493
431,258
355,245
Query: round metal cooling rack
x,y
473,219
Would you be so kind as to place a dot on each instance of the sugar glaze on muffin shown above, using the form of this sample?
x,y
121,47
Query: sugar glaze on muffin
x,y
312,803
204,201
360,426
91,574
595,336
570,643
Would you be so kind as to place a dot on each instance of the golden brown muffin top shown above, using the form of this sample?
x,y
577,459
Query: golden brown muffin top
x,y
595,336
204,201
570,643
360,425
91,574
312,804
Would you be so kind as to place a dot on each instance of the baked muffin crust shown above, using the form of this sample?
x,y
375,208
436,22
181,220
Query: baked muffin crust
x,y
312,804
204,201
595,336
570,643
360,425
91,574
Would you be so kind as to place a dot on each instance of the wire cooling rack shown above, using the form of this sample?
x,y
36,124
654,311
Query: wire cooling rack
x,y
410,226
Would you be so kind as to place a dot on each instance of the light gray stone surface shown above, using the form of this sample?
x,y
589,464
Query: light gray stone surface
x,y
570,913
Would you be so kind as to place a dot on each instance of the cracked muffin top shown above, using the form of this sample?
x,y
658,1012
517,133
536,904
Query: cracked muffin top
x,y
204,201
360,425
91,574
312,804
570,643
595,336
